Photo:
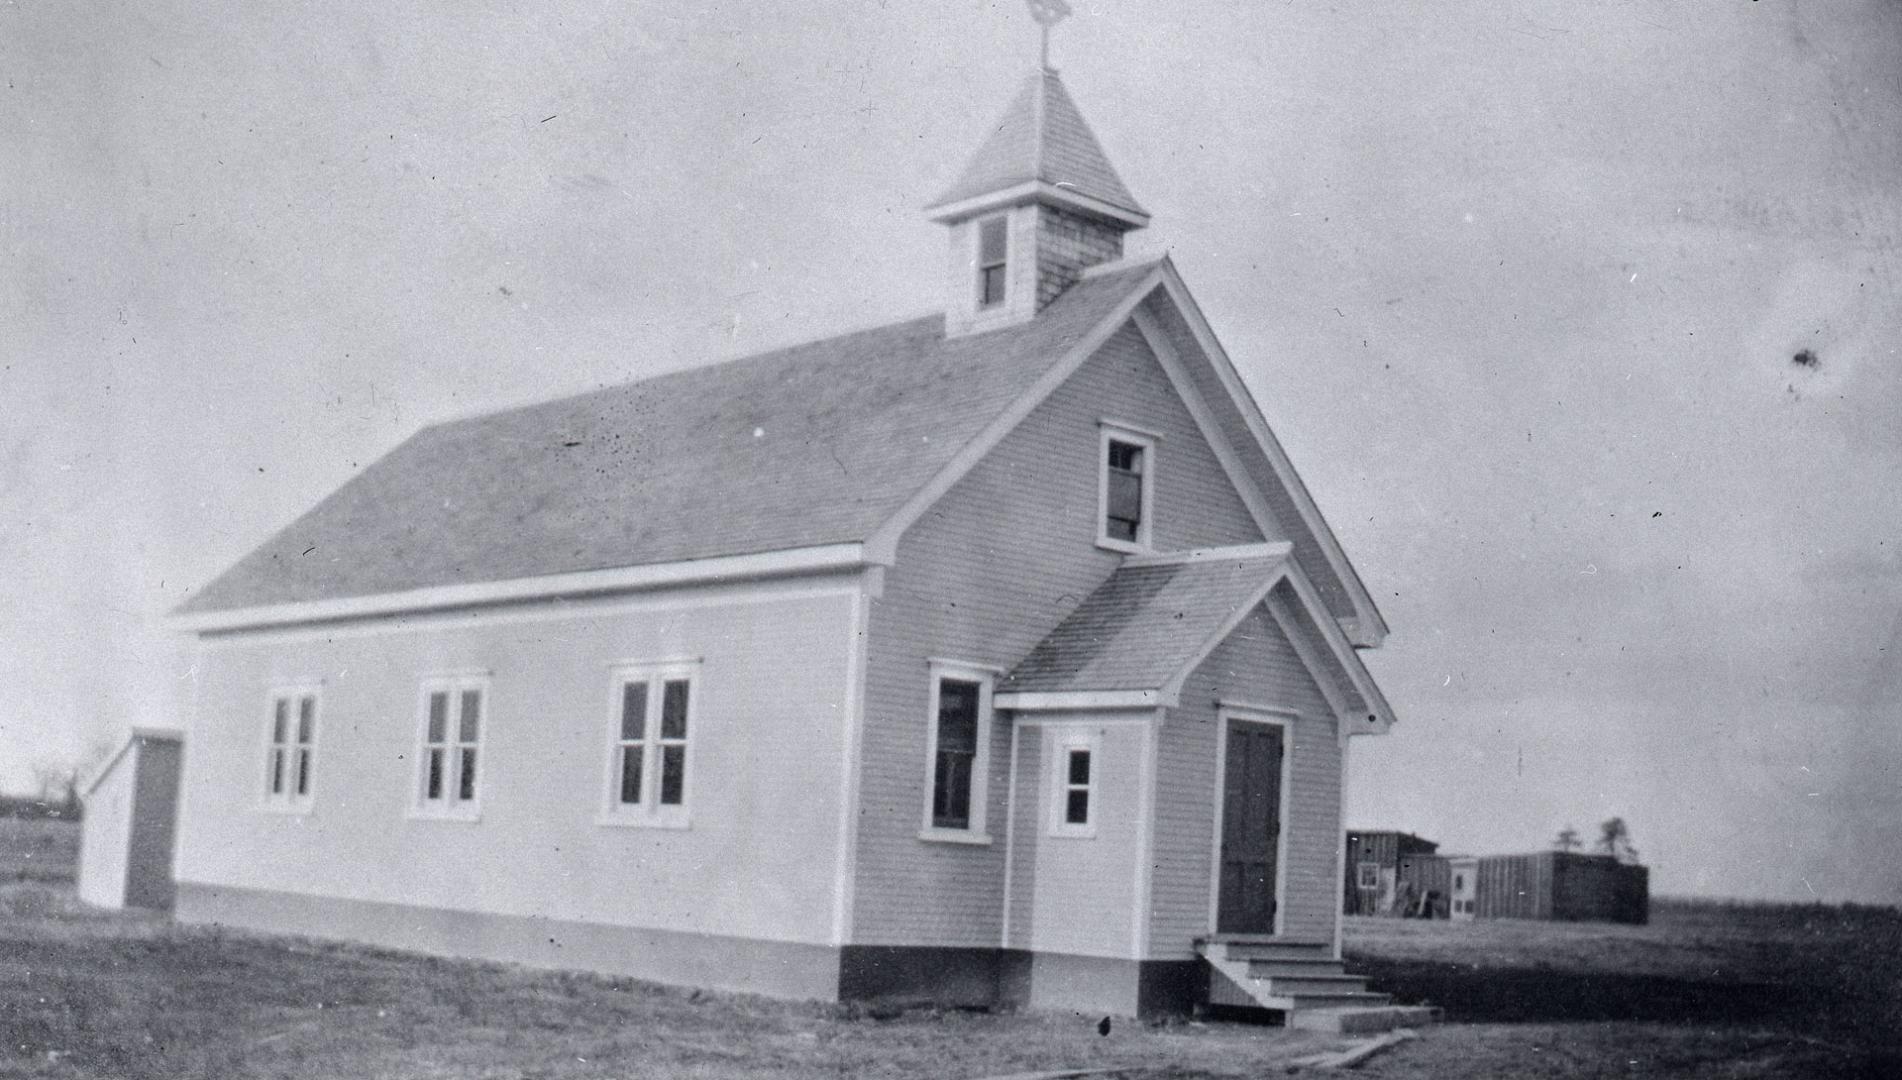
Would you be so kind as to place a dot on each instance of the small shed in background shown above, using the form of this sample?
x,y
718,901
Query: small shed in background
x,y
1393,873
1560,885
125,842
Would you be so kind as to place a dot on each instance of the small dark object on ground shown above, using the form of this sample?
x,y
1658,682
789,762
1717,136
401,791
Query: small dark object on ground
x,y
1806,358
1103,1026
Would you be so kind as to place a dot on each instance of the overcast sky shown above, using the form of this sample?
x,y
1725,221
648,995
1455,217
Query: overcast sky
x,y
1518,284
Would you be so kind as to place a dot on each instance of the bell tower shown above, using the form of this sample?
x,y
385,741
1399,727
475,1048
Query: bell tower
x,y
1037,204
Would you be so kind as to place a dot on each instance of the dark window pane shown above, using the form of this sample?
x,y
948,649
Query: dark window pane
x,y
1125,456
466,790
957,714
306,718
303,772
991,286
1076,810
990,239
471,715
438,716
673,710
951,795
280,722
277,772
634,711
1120,530
630,774
432,776
673,774
1079,766
1125,492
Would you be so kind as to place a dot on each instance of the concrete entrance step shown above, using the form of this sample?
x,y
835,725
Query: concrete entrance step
x,y
1363,1020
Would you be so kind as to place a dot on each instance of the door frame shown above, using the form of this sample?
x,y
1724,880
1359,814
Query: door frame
x,y
1252,714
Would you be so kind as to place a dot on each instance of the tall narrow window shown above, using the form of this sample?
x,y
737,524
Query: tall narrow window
x,y
290,754
1073,784
449,760
957,751
992,234
649,761
1126,485
959,727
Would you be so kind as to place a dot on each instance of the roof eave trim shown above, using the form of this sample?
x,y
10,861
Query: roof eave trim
x,y
731,568
1369,628
1036,189
1380,711
1074,700
1271,549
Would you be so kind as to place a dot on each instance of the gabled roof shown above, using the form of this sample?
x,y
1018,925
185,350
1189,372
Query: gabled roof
x,y
1149,621
815,458
817,444
1042,138
1137,637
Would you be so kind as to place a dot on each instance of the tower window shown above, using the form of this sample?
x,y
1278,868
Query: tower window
x,y
991,235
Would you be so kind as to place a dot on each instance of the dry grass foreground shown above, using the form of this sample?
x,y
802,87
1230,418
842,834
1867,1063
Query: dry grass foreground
x,y
85,993
1704,991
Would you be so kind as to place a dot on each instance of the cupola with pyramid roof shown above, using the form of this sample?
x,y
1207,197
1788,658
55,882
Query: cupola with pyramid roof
x,y
1038,204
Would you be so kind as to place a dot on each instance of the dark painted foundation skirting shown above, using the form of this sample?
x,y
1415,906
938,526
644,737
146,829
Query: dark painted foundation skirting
x,y
1014,978
1171,987
1010,978
947,976
747,965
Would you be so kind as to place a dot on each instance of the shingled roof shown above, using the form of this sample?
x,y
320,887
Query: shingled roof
x,y
1042,137
1147,627
816,444
1146,623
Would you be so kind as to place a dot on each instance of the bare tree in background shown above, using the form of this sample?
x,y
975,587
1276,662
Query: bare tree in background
x,y
1614,839
51,778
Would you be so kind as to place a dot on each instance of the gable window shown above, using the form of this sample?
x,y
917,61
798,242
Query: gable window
x,y
959,743
992,234
1073,786
1125,488
290,750
648,759
449,754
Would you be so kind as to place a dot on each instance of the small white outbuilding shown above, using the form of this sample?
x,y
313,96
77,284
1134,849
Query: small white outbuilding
x,y
131,813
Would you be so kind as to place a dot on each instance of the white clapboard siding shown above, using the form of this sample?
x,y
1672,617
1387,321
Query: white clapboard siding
x,y
764,779
1255,665
984,575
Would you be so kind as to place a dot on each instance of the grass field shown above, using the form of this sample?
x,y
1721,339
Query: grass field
x,y
1705,990
1700,993
92,994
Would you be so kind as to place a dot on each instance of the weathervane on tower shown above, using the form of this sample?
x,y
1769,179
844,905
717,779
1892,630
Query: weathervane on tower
x,y
1048,13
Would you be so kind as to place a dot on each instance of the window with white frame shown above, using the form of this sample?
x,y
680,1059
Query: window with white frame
x,y
290,750
992,246
455,714
1369,875
959,741
1126,488
648,761
1073,785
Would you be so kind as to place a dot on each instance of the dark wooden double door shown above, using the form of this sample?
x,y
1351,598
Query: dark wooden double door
x,y
1251,828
